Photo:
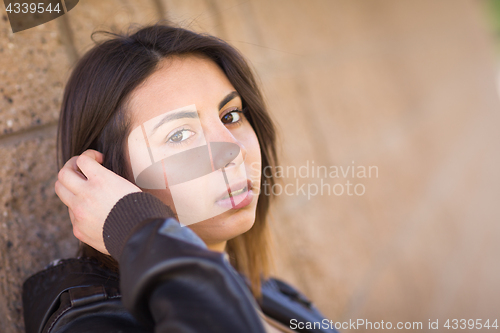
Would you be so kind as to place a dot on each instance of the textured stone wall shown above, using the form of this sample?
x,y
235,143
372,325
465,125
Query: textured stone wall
x,y
406,86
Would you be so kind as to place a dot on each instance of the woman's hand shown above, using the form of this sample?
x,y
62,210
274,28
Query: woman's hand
x,y
90,191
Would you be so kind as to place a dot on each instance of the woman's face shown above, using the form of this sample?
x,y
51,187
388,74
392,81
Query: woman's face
x,y
192,147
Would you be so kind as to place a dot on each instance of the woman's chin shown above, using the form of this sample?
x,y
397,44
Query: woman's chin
x,y
225,226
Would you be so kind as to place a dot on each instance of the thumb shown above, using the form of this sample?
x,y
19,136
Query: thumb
x,y
89,163
95,155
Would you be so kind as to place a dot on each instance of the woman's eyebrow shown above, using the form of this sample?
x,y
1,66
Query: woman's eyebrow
x,y
228,98
191,114
173,116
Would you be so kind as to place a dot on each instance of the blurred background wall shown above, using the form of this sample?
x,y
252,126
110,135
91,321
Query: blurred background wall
x,y
406,86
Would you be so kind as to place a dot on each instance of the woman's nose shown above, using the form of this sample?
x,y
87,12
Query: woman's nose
x,y
223,154
224,149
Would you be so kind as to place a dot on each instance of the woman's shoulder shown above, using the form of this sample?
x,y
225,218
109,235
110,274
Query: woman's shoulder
x,y
72,288
63,274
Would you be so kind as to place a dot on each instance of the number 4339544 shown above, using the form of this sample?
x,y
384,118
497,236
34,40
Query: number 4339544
x,y
470,324
32,8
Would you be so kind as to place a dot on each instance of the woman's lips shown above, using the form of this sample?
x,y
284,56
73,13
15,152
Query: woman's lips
x,y
238,198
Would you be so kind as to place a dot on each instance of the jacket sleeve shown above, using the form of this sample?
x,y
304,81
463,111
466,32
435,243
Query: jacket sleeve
x,y
169,280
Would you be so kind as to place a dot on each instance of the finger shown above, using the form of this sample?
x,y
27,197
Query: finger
x,y
89,166
99,157
71,216
66,196
71,179
71,164
76,231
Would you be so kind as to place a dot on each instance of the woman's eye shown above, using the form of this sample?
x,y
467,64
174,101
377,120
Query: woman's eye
x,y
232,117
180,136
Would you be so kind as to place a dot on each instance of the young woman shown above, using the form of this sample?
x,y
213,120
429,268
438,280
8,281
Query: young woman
x,y
164,134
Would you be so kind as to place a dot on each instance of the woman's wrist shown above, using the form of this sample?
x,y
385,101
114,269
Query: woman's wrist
x,y
129,212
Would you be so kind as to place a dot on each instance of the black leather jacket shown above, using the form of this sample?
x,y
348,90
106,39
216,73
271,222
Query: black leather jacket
x,y
169,282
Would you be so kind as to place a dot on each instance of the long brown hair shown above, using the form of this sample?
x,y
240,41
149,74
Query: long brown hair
x,y
93,116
